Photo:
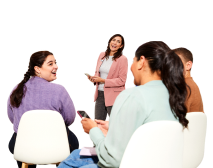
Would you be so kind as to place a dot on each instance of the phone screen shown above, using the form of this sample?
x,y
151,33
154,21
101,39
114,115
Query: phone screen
x,y
83,114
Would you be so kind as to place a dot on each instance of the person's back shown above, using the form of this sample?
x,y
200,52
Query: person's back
x,y
143,104
194,101
36,92
43,95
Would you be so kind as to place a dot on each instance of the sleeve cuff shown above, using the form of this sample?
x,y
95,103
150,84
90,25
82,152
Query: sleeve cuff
x,y
96,135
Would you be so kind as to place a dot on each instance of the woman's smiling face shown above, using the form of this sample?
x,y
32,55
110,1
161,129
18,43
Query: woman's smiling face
x,y
115,44
48,69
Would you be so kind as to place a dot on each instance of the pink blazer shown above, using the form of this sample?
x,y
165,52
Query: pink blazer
x,y
115,81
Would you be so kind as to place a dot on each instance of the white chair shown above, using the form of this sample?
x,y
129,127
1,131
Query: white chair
x,y
194,139
157,144
41,138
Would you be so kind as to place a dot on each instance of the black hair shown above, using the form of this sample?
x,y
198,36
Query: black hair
x,y
162,59
37,59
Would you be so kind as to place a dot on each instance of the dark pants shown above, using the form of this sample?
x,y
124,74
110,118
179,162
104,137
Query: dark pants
x,y
100,109
73,144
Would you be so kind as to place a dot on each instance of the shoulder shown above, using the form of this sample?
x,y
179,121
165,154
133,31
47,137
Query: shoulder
x,y
122,58
13,90
57,87
133,92
101,55
131,97
190,82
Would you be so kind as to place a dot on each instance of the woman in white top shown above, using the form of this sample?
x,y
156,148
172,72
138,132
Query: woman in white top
x,y
110,76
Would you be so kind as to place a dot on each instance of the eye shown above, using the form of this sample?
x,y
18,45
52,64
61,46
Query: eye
x,y
51,64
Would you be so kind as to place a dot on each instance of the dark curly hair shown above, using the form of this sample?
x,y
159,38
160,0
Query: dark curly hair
x,y
37,59
162,59
119,52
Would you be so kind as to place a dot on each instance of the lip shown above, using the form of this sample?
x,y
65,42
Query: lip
x,y
113,47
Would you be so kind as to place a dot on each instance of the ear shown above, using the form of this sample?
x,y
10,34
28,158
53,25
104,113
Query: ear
x,y
121,46
188,65
37,69
141,62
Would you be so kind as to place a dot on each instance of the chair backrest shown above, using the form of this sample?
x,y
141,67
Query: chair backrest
x,y
41,138
194,139
155,144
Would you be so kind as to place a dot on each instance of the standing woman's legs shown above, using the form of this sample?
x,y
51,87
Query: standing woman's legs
x,y
100,108
109,109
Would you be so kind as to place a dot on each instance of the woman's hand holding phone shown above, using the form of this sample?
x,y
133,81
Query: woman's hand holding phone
x,y
88,124
103,125
90,78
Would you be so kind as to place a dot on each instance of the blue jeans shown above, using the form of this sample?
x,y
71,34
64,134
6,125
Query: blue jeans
x,y
74,160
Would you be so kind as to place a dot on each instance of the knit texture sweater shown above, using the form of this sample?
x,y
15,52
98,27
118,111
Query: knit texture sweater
x,y
43,95
194,101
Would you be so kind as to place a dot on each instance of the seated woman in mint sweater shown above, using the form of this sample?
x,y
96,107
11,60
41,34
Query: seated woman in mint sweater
x,y
160,95
36,92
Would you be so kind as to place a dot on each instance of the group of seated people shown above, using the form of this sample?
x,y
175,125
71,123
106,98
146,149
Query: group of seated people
x,y
165,91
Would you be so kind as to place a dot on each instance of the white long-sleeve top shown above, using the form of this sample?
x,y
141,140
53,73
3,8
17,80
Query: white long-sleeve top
x,y
104,70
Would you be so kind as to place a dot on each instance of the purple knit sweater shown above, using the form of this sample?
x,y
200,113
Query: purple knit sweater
x,y
43,95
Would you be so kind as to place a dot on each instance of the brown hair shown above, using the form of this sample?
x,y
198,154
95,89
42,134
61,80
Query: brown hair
x,y
185,53
119,52
36,59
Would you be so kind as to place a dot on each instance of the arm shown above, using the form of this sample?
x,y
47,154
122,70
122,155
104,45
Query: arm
x,y
193,101
110,149
9,107
122,75
10,111
67,107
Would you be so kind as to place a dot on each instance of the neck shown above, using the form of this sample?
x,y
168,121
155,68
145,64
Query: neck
x,y
112,53
147,77
188,74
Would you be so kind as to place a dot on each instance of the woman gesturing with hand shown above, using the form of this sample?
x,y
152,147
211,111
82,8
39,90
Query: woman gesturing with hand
x,y
110,76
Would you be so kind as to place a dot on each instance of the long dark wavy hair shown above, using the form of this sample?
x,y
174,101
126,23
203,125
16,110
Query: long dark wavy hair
x,y
162,59
119,52
36,59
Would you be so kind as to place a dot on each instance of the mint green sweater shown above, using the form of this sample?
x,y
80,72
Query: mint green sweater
x,y
132,108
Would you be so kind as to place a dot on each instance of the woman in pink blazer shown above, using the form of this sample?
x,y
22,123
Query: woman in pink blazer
x,y
110,76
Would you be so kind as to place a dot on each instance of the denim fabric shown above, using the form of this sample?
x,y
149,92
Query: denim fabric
x,y
74,160
72,138
100,109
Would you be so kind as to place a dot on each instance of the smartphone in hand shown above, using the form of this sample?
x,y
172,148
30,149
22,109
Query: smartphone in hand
x,y
87,74
83,114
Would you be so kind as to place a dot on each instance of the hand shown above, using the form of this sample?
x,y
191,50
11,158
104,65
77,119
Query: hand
x,y
98,79
90,78
103,125
88,124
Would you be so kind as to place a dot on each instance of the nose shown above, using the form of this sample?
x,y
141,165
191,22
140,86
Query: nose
x,y
56,66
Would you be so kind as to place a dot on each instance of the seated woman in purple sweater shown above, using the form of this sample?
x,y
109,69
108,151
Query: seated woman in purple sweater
x,y
36,92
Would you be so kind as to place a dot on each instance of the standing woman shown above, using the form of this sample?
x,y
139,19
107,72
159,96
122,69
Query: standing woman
x,y
110,76
36,92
